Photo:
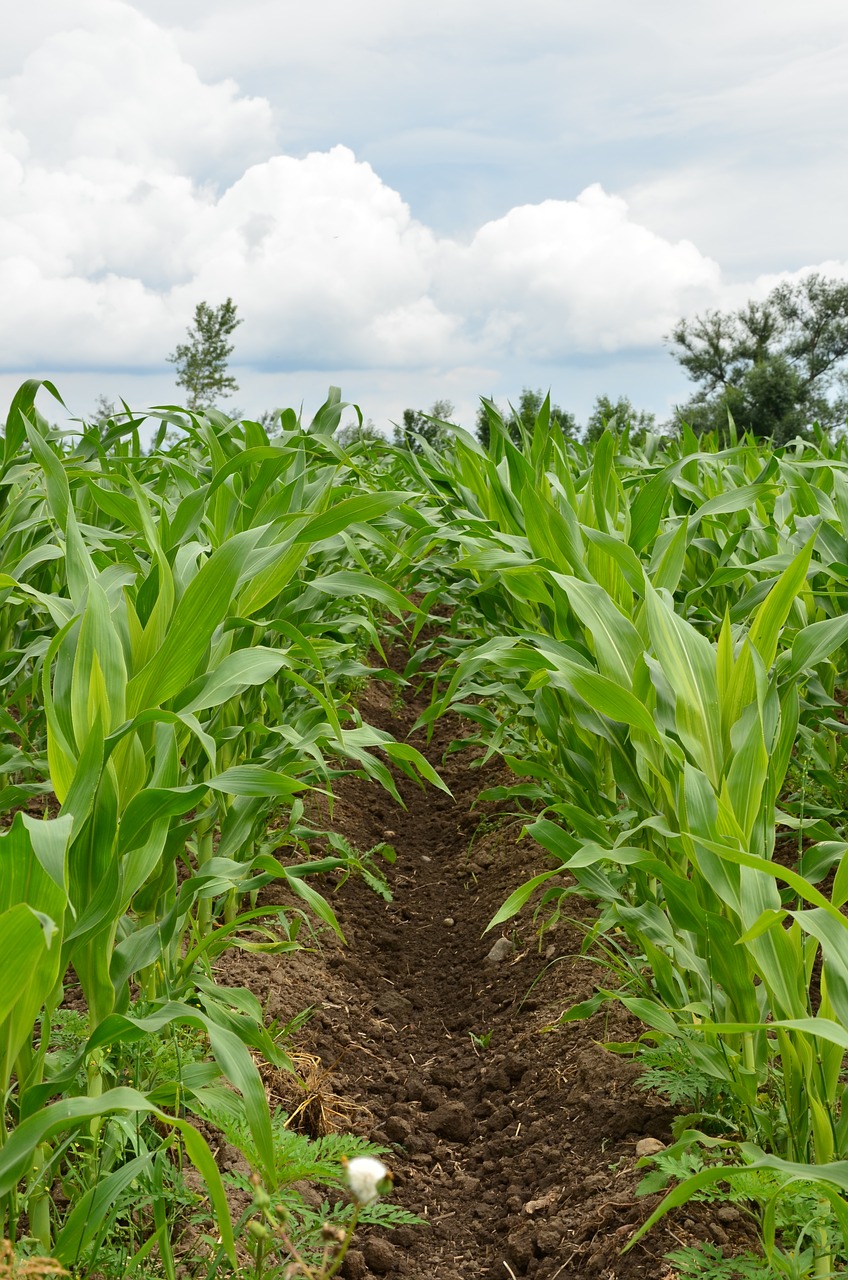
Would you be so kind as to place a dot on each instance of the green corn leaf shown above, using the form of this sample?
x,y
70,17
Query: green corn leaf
x,y
648,506
768,919
55,477
651,1013
554,533
552,837
316,902
21,412
764,632
87,1218
816,642
201,610
347,512
229,1051
25,938
17,1154
516,900
402,754
234,673
621,554
748,770
689,664
773,612
831,1175
98,690
832,933
741,499
253,780
669,567
146,808
114,504
608,698
347,582
618,645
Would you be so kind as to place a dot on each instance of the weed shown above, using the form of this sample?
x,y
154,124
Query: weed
x,y
707,1262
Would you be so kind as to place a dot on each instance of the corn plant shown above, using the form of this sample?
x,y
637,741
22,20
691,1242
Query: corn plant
x,y
652,631
177,627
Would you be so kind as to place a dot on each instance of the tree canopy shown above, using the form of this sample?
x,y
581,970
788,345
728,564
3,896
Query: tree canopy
x,y
417,423
620,412
202,361
529,404
773,364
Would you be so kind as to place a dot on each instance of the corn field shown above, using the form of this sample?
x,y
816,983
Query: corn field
x,y
653,636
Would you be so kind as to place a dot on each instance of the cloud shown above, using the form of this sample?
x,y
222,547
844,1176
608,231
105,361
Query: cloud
x,y
109,84
577,275
134,188
111,232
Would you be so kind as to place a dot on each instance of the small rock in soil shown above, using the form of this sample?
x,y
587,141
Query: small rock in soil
x,y
514,1067
392,1005
452,1122
416,1143
545,1202
445,1076
595,1182
648,1147
501,951
431,1099
415,1087
548,1239
396,1129
379,1256
497,1082
519,1249
353,1267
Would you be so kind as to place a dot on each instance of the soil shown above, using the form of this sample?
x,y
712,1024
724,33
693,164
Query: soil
x,y
515,1144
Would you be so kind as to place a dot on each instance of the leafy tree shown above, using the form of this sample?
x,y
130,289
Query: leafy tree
x,y
356,431
103,410
417,423
622,413
529,404
202,361
773,364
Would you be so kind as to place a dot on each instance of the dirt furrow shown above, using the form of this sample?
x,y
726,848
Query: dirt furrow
x,y
517,1148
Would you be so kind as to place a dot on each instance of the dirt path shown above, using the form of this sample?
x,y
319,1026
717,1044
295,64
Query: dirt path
x,y
518,1148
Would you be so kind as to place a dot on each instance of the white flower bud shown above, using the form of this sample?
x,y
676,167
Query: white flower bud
x,y
366,1178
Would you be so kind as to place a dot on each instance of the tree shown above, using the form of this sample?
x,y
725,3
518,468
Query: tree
x,y
773,364
529,404
623,414
103,410
202,361
418,423
355,432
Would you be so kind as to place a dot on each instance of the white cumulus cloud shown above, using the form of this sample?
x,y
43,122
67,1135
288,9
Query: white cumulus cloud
x,y
133,188
577,275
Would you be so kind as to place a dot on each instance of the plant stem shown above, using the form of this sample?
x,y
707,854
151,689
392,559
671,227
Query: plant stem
x,y
38,1207
204,855
340,1256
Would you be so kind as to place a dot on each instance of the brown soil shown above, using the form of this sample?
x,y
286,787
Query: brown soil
x,y
518,1152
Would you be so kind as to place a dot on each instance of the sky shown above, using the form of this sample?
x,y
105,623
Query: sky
x,y
412,201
